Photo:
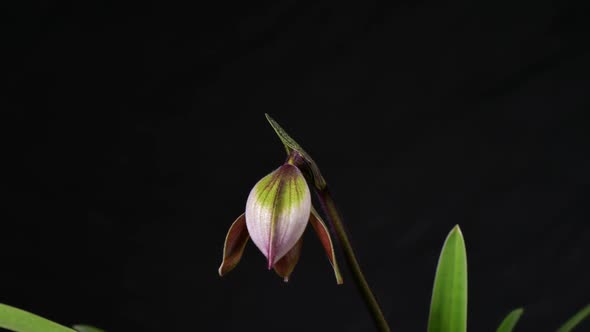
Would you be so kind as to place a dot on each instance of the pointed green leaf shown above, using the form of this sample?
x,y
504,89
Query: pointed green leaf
x,y
18,320
87,328
291,145
448,309
510,321
288,142
575,320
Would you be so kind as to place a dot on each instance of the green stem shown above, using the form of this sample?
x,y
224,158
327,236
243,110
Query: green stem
x,y
334,218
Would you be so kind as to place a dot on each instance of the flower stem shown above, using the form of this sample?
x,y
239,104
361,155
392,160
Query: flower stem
x,y
334,218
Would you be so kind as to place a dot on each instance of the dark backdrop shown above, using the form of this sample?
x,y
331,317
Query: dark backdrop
x,y
133,133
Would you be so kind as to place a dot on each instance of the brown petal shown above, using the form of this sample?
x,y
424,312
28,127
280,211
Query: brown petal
x,y
324,235
286,265
235,242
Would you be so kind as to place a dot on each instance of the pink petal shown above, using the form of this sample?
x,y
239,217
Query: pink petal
x,y
324,235
235,242
277,211
285,266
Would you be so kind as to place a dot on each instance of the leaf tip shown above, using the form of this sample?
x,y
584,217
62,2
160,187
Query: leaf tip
x,y
270,120
456,231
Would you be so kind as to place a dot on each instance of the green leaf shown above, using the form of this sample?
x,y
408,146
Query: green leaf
x,y
575,320
448,309
87,328
291,145
18,320
510,321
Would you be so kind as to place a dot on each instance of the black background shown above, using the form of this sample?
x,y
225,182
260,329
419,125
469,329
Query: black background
x,y
133,133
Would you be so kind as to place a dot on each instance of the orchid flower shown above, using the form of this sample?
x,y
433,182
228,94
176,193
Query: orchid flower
x,y
278,210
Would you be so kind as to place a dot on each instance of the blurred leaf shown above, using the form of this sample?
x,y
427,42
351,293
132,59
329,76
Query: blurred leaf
x,y
510,321
18,320
448,309
87,328
575,320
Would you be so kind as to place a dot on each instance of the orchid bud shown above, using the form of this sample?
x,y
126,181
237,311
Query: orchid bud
x,y
277,212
